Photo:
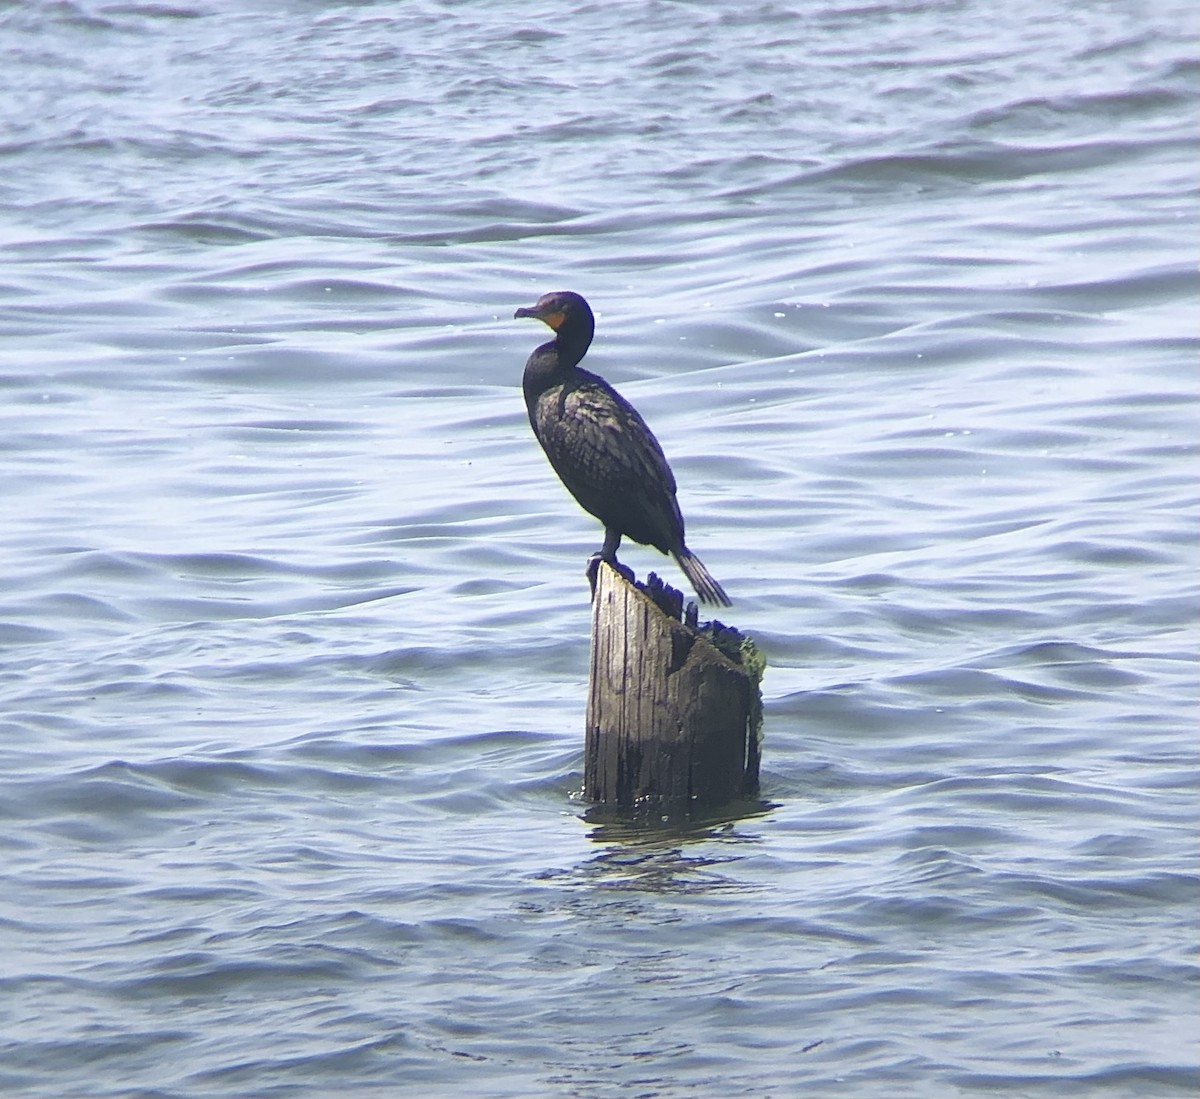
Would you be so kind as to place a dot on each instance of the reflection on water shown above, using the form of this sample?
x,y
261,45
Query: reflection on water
x,y
661,861
669,823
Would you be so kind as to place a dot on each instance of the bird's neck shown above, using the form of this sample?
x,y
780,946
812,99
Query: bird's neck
x,y
552,362
571,344
542,371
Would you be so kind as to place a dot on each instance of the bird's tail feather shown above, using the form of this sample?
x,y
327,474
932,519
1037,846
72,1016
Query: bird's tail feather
x,y
702,580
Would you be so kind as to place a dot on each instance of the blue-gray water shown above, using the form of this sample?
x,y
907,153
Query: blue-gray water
x,y
293,627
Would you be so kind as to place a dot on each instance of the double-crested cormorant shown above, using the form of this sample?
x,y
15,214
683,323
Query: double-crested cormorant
x,y
600,447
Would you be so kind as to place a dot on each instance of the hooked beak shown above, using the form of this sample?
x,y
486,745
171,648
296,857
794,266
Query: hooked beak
x,y
549,316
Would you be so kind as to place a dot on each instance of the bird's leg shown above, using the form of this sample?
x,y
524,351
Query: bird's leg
x,y
612,539
608,552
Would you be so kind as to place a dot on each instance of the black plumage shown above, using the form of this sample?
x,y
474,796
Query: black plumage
x,y
600,447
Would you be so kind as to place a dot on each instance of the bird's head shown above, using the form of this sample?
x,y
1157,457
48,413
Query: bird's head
x,y
558,308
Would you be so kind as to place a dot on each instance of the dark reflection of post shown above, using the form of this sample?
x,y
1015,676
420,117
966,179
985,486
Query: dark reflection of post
x,y
616,824
649,853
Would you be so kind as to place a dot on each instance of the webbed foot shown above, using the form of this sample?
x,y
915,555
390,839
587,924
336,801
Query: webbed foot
x,y
593,569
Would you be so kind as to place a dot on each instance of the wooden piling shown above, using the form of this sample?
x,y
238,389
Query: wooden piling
x,y
672,720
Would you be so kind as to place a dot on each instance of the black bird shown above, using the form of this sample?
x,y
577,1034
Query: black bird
x,y
600,447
